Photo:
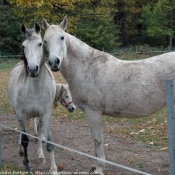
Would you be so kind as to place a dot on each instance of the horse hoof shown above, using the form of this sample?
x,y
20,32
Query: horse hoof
x,y
92,170
54,170
54,173
21,153
27,169
96,171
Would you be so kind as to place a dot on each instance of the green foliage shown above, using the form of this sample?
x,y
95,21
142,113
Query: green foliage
x,y
157,17
99,23
9,30
95,25
98,33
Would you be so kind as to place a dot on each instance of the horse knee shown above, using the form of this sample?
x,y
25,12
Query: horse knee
x,y
99,149
97,142
24,140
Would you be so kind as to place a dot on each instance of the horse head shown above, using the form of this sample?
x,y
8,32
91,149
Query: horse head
x,y
54,39
64,96
32,49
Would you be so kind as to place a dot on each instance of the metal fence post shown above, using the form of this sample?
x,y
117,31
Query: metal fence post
x,y
171,124
0,150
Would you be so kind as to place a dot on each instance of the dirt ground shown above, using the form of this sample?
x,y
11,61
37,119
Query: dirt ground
x,y
75,134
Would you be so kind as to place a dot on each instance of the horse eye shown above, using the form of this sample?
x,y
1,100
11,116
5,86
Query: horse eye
x,y
62,38
40,44
67,96
45,41
23,46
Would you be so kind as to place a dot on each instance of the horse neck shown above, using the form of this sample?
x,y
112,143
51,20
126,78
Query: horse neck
x,y
78,53
77,49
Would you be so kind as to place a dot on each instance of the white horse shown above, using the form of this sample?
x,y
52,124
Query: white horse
x,y
31,92
101,84
63,96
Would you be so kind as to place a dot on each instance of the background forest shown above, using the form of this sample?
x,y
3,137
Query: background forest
x,y
103,24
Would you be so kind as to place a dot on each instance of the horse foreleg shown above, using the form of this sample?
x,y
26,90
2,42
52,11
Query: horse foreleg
x,y
40,149
24,143
95,122
50,147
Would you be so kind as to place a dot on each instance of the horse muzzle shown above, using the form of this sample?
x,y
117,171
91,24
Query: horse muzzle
x,y
71,108
54,64
33,71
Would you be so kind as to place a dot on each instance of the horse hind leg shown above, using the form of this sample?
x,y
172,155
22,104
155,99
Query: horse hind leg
x,y
95,122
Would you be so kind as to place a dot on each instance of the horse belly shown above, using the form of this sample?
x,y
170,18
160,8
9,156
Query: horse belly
x,y
136,101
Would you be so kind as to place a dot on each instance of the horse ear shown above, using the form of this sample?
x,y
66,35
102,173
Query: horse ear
x,y
45,24
61,90
63,24
23,29
37,27
62,87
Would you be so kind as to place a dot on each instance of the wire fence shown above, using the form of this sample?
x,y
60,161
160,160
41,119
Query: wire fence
x,y
136,50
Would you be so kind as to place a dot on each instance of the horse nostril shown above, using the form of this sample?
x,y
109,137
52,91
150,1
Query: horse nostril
x,y
72,109
36,68
49,63
58,61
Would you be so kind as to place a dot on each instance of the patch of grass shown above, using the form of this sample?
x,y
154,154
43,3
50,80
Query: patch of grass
x,y
140,166
150,130
11,168
4,106
9,63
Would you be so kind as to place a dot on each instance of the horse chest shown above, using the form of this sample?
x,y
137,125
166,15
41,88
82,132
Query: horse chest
x,y
33,100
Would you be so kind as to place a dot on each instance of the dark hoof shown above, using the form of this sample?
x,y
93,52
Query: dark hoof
x,y
92,170
27,169
21,154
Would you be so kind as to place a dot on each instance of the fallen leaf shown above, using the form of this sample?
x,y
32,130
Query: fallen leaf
x,y
164,148
61,166
151,143
141,131
132,133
